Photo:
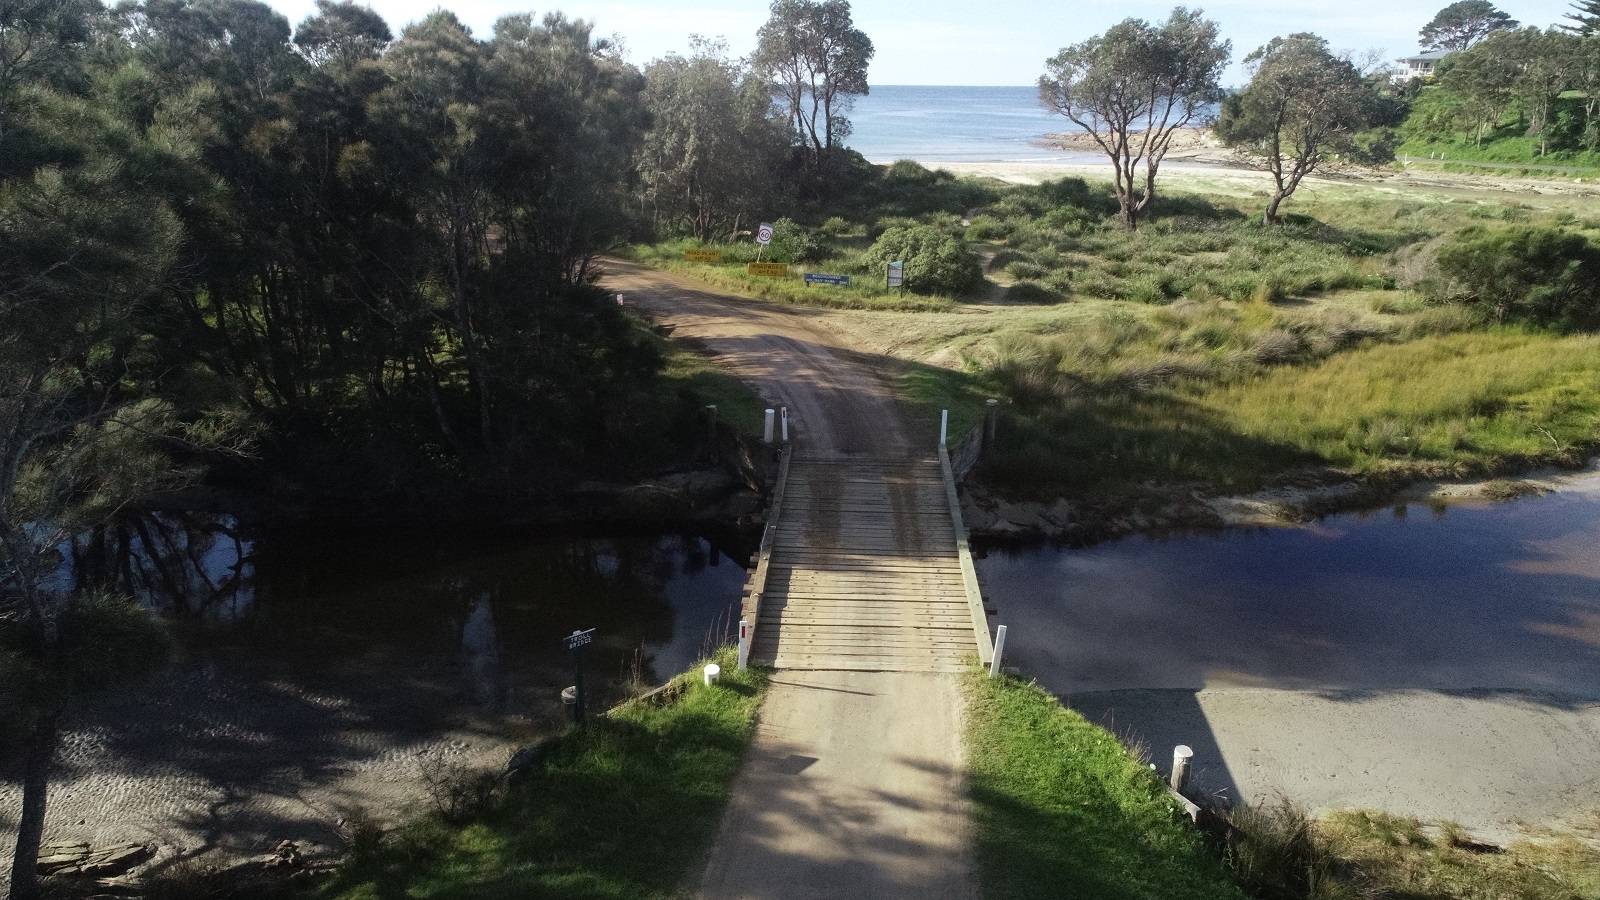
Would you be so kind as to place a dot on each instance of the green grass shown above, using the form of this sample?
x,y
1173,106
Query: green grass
x,y
1444,405
1470,401
864,292
622,809
687,369
1062,809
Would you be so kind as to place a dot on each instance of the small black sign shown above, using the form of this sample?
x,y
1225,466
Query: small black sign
x,y
579,639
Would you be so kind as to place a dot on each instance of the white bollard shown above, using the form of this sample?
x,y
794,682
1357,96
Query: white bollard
x,y
785,419
999,650
1181,756
744,644
619,299
944,426
712,673
766,429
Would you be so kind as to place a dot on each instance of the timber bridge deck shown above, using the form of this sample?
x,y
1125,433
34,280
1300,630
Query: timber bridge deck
x,y
864,566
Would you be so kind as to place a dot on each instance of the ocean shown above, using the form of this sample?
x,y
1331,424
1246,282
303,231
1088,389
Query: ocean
x,y
956,124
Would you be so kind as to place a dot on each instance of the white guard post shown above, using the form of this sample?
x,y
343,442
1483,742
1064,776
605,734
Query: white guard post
x,y
744,644
944,427
999,649
766,430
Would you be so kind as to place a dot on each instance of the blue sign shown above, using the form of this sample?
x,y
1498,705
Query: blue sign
x,y
835,280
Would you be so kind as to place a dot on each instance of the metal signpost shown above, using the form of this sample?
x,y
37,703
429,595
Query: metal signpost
x,y
763,237
575,642
897,274
835,280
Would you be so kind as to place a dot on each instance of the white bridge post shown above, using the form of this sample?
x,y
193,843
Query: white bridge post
x,y
944,427
766,430
1181,757
744,644
999,649
785,418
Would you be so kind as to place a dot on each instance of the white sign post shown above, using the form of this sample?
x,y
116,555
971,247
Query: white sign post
x,y
763,237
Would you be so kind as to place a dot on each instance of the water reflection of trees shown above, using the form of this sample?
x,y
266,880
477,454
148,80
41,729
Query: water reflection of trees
x,y
178,563
492,608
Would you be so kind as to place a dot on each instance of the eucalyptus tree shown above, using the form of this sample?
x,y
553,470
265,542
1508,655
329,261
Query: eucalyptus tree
x,y
1303,105
1132,88
1463,24
711,155
1550,63
88,235
342,33
1484,81
816,61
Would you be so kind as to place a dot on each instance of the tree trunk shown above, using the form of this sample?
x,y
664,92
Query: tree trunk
x,y
30,826
1270,217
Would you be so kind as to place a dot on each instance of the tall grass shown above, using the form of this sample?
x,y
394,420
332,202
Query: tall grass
x,y
621,809
1279,852
1062,810
1100,411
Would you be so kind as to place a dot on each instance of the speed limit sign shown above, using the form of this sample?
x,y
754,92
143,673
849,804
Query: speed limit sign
x,y
764,233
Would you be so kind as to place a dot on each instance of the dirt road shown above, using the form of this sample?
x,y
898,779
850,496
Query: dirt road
x,y
840,400
854,786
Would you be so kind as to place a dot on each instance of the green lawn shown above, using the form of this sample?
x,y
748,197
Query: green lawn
x,y
623,809
1062,809
689,370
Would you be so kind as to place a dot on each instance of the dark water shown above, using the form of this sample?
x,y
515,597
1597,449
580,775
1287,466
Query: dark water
x,y
484,615
1502,596
956,124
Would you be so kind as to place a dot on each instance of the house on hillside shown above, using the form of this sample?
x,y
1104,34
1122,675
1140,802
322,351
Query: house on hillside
x,y
1420,65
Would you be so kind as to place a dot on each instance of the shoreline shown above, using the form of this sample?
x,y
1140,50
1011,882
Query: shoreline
x,y
996,520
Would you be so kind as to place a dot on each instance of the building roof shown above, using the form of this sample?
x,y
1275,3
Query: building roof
x,y
1426,56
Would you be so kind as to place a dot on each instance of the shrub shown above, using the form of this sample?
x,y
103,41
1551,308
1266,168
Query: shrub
x,y
987,228
1539,274
1031,292
936,263
795,243
836,226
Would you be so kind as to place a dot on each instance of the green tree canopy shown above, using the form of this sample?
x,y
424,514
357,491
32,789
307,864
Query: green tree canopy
x,y
711,158
1132,88
816,62
1585,18
1302,105
1464,23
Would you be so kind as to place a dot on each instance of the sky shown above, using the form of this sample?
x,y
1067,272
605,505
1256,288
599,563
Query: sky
x,y
960,42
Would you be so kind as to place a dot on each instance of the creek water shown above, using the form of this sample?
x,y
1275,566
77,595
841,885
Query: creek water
x,y
1441,662
318,674
1487,595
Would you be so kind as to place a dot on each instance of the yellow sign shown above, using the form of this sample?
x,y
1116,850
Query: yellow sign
x,y
770,270
703,256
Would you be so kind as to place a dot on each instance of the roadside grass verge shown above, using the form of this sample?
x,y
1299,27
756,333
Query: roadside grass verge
x,y
621,809
686,370
1062,809
1280,853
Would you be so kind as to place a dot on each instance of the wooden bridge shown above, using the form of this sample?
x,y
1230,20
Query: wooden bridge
x,y
864,566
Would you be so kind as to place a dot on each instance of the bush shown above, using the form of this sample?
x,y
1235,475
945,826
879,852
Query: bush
x,y
1538,274
795,243
936,263
1031,292
836,226
987,228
